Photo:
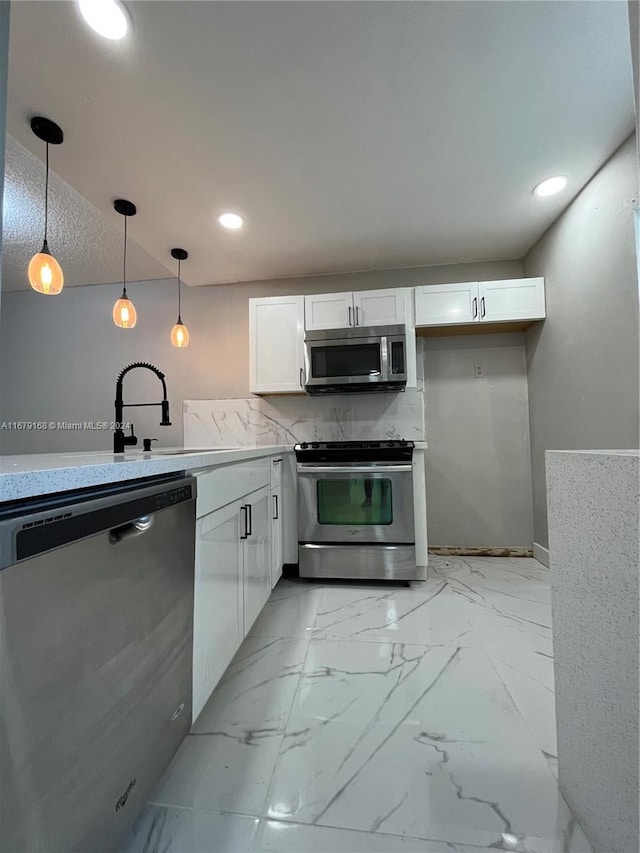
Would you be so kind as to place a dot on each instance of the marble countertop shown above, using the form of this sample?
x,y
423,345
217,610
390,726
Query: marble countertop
x,y
34,474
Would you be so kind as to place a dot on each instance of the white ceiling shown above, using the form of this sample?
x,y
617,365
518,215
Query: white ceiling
x,y
351,135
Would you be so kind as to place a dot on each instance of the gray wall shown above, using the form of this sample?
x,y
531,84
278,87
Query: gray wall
x,y
478,463
583,360
4,59
59,357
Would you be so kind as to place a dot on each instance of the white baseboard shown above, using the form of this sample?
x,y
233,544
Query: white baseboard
x,y
541,554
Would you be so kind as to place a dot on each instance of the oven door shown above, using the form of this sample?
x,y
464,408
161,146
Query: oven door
x,y
346,361
356,503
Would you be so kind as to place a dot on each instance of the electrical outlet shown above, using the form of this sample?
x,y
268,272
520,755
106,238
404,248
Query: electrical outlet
x,y
478,371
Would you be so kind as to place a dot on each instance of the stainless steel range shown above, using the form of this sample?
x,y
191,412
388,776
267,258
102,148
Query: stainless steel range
x,y
355,510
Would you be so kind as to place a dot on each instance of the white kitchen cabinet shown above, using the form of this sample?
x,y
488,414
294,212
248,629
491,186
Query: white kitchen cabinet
x,y
511,299
289,511
447,304
276,345
276,535
328,311
276,520
380,307
256,575
360,308
470,302
233,568
218,626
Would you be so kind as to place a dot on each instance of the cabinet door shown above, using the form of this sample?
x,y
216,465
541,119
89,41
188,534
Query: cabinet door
x,y
276,345
217,601
328,311
511,299
257,555
380,307
447,304
289,509
276,535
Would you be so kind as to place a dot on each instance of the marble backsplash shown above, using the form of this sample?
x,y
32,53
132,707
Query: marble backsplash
x,y
287,420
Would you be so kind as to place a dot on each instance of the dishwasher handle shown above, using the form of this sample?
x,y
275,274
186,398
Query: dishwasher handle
x,y
134,528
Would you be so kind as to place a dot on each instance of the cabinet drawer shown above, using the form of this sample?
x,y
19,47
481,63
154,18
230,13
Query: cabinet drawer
x,y
226,483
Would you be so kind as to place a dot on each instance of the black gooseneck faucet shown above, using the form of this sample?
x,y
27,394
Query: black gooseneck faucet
x,y
120,440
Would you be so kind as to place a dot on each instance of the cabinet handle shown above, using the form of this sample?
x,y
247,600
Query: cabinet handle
x,y
475,307
350,315
250,520
301,378
357,317
482,306
275,507
244,534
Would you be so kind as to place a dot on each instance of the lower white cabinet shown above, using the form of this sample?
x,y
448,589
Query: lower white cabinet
x,y
218,627
276,536
233,567
256,575
277,517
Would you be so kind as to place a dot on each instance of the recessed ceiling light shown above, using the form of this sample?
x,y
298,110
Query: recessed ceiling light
x,y
550,186
231,220
107,17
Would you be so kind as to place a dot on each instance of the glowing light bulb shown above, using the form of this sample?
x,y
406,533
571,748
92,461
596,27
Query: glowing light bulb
x,y
124,313
45,274
180,335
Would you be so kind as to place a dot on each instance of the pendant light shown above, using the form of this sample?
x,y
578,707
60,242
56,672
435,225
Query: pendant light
x,y
179,333
44,272
124,312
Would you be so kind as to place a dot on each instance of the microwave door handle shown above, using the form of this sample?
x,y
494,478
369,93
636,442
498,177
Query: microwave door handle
x,y
385,358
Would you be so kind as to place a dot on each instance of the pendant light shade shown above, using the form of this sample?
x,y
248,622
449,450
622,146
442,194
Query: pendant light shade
x,y
179,333
124,312
44,272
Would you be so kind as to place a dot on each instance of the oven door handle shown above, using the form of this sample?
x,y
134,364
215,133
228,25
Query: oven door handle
x,y
354,469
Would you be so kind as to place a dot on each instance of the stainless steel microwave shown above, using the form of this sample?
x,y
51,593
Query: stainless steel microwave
x,y
362,358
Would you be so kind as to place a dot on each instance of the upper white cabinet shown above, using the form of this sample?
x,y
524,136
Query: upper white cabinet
x,y
328,311
463,303
362,308
380,307
511,299
276,345
447,304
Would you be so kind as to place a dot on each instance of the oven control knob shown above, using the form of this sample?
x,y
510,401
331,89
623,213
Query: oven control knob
x,y
315,444
304,445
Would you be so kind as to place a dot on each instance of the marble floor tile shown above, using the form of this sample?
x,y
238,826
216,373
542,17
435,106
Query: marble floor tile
x,y
222,772
455,764
254,696
169,830
280,837
429,614
366,717
290,612
528,677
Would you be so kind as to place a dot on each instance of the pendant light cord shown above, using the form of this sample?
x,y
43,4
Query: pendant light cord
x,y
124,262
179,306
46,195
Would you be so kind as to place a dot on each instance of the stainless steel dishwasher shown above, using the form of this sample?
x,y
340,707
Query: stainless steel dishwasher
x,y
96,598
